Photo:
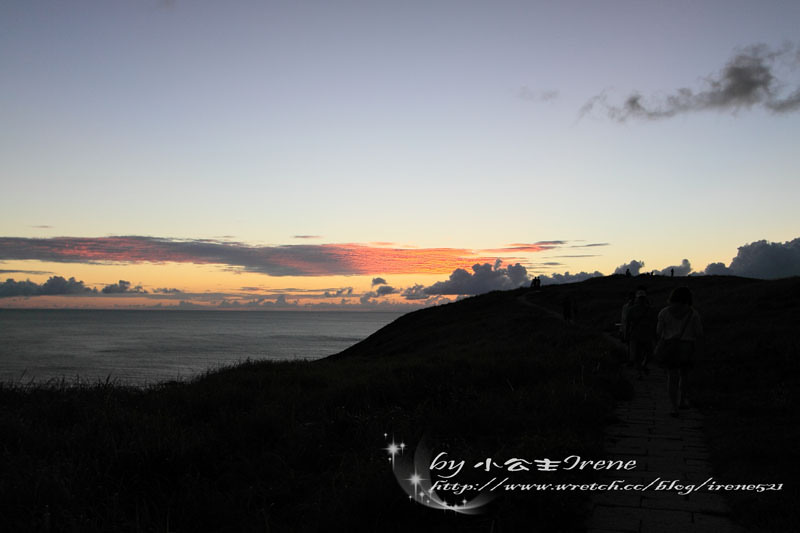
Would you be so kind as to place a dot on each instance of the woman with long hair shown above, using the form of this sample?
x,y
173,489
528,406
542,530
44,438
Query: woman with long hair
x,y
679,332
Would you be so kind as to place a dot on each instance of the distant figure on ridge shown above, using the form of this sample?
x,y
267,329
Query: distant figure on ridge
x,y
627,272
640,331
672,272
628,303
679,332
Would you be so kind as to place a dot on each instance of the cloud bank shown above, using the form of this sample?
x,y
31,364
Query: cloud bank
x,y
763,260
634,266
284,260
566,277
484,278
53,286
122,287
750,78
281,260
679,270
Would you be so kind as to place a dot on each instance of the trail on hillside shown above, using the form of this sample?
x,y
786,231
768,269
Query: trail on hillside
x,y
669,452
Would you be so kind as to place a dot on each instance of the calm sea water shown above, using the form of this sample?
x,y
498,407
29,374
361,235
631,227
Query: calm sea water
x,y
148,346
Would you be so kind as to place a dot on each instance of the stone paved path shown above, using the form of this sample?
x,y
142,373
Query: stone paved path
x,y
665,448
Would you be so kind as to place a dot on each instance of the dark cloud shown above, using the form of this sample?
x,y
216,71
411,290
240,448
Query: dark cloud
x,y
367,298
417,292
717,269
42,226
566,277
336,293
167,291
29,272
748,79
378,281
56,285
549,243
762,259
634,266
281,301
592,245
371,297
532,95
307,236
522,247
19,288
122,287
484,278
384,290
680,270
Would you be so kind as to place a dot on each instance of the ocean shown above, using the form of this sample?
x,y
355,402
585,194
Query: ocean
x,y
144,347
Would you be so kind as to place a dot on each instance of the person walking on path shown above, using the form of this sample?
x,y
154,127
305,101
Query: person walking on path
x,y
640,331
679,332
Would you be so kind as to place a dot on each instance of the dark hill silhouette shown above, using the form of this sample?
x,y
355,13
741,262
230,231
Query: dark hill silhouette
x,y
747,384
298,446
472,322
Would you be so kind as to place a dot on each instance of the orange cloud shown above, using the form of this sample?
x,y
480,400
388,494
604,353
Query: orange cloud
x,y
283,260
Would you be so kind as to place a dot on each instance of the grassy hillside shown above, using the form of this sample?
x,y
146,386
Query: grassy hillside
x,y
299,446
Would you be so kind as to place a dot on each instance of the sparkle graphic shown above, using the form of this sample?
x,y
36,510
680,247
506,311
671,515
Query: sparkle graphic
x,y
419,488
393,449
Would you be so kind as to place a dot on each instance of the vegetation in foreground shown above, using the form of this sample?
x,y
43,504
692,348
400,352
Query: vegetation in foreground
x,y
746,383
298,446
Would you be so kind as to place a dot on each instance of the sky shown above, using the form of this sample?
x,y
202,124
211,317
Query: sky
x,y
290,154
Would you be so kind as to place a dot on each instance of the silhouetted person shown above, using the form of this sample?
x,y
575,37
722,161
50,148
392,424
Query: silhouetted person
x,y
640,331
680,332
628,303
627,272
672,272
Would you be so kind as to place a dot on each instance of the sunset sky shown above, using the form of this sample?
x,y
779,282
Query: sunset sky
x,y
266,153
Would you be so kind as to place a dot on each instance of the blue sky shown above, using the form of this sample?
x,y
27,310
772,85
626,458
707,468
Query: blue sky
x,y
431,124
